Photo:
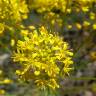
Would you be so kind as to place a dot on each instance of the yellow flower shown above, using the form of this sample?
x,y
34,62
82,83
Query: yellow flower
x,y
39,54
37,73
69,10
92,15
24,32
86,23
31,27
54,84
2,92
94,26
85,9
79,26
69,26
12,42
7,81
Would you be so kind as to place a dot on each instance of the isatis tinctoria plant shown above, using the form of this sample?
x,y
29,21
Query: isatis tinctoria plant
x,y
43,57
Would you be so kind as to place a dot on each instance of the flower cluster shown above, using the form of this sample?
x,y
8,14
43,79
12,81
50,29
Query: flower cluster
x,y
12,12
48,5
43,58
71,14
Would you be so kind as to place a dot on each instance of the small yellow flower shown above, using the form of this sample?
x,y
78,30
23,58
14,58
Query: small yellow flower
x,y
86,23
94,26
31,27
69,10
37,73
7,81
69,26
54,84
79,26
18,72
53,22
24,32
12,42
92,15
85,9
2,92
